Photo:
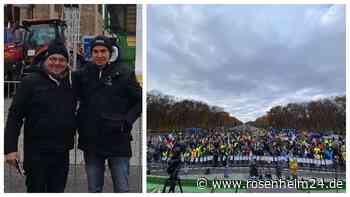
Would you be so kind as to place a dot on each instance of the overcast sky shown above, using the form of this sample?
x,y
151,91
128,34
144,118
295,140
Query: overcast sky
x,y
247,59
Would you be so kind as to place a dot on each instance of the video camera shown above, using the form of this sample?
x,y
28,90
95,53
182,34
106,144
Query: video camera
x,y
173,169
174,164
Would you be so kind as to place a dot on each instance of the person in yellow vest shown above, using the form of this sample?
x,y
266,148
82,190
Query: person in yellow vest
x,y
343,152
293,167
317,152
165,154
193,155
188,154
198,150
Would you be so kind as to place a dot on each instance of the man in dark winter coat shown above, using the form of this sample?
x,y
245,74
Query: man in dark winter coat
x,y
46,100
110,102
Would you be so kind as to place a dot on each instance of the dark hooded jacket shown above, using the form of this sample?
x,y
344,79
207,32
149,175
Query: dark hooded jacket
x,y
110,102
47,107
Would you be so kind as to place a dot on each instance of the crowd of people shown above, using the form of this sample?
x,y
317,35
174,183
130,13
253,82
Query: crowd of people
x,y
248,142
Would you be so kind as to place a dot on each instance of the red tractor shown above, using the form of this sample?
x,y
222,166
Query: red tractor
x,y
13,53
38,33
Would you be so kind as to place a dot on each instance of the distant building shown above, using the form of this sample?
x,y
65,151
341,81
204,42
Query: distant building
x,y
91,16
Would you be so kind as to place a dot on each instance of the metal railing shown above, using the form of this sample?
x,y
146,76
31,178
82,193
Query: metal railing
x,y
10,88
14,182
311,166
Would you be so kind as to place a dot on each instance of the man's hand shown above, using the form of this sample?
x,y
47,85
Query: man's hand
x,y
10,158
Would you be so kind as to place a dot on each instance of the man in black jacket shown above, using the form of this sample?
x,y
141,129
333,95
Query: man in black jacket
x,y
110,102
46,101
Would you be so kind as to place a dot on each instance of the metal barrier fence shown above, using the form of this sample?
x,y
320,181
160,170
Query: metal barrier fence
x,y
14,182
235,161
10,88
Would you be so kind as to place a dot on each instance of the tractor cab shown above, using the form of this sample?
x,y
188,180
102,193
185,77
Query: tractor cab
x,y
38,34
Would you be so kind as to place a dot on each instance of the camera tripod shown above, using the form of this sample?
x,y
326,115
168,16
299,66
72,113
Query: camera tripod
x,y
172,181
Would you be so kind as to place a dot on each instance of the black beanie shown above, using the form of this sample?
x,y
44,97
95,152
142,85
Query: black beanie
x,y
102,41
57,47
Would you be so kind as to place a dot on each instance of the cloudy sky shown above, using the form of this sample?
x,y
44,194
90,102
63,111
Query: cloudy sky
x,y
247,59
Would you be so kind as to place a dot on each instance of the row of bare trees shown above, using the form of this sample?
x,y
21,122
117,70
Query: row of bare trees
x,y
165,112
320,115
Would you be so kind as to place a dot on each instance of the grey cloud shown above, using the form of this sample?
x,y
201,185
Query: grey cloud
x,y
247,58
